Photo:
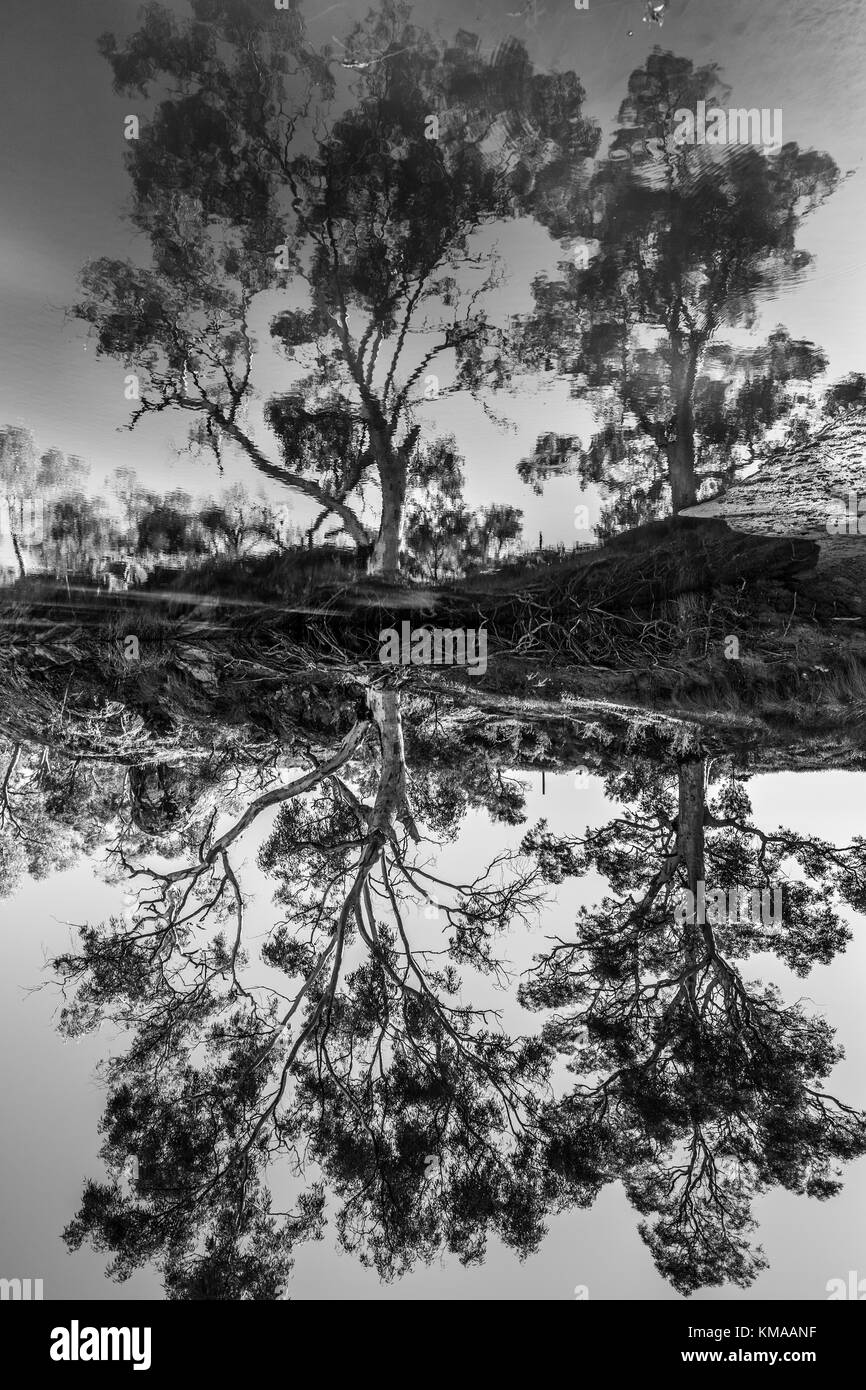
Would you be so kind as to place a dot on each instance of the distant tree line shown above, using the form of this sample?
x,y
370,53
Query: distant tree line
x,y
79,526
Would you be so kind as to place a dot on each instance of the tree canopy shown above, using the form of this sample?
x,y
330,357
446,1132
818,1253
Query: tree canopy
x,y
708,1088
674,244
261,175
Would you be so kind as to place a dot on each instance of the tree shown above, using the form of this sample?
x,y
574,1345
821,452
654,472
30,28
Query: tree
x,y
709,1089
164,529
497,526
19,467
61,474
687,242
438,522
24,479
34,839
430,1126
276,526
77,526
134,499
356,1050
236,521
40,491
249,166
443,538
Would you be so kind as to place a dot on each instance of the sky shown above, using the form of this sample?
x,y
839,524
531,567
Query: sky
x,y
65,192
50,1092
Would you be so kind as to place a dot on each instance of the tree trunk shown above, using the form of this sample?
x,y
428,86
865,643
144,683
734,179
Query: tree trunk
x,y
19,557
391,463
690,844
681,458
688,608
391,796
690,819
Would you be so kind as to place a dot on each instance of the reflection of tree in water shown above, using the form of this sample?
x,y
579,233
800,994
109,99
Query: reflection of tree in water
x,y
708,1089
340,1052
350,1046
53,808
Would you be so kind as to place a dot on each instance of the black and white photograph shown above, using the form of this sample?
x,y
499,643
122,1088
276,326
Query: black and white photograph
x,y
432,670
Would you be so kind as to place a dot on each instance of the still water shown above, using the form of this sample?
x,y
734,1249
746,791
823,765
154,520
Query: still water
x,y
729,1085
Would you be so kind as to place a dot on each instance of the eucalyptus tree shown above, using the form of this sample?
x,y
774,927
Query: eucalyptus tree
x,y
674,244
704,1089
340,192
340,1037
